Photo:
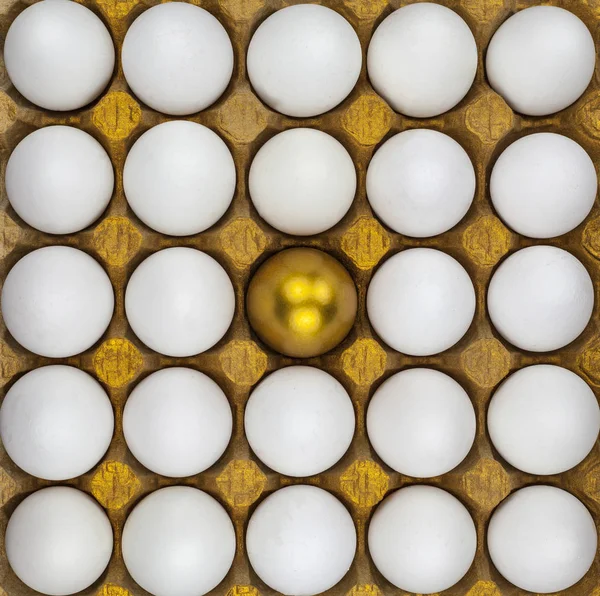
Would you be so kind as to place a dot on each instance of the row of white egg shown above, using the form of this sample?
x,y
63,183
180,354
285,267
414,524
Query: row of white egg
x,y
179,178
303,60
56,422
299,540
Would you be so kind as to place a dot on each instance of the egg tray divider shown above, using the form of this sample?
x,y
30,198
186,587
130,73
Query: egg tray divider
x,y
482,123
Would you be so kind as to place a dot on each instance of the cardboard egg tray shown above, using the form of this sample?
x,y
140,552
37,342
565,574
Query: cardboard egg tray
x,y
482,123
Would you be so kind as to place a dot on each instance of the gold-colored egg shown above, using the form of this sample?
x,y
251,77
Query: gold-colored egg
x,y
301,302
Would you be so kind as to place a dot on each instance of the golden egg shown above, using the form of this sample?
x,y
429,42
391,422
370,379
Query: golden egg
x,y
301,302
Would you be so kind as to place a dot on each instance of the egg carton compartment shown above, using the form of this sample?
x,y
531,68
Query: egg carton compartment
x,y
482,123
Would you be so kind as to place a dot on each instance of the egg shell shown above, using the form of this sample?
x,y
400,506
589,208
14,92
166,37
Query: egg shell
x,y
422,539
58,541
59,179
177,422
543,185
178,541
304,60
179,302
301,540
540,298
299,421
421,422
544,419
56,422
301,302
179,178
422,59
541,60
302,181
542,539
420,183
59,55
177,58
421,301
57,301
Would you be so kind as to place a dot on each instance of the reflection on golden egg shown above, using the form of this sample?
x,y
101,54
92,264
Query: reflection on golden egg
x,y
301,302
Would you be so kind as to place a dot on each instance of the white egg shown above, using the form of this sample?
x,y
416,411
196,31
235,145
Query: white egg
x,y
59,55
304,60
544,419
420,183
299,421
302,181
543,185
177,58
540,298
180,302
541,60
178,541
422,59
421,301
421,422
422,539
179,178
58,541
57,301
542,539
59,179
177,422
56,422
301,540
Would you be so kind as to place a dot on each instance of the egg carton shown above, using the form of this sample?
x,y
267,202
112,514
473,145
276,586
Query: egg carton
x,y
482,123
